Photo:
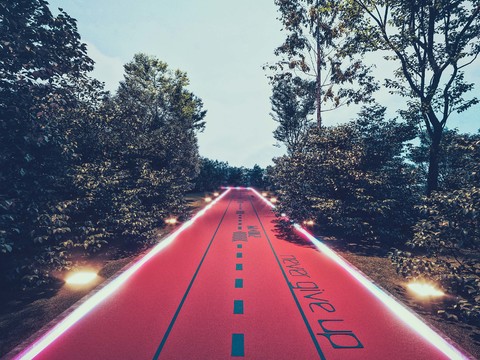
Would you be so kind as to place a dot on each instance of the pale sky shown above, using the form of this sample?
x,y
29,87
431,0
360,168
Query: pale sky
x,y
222,45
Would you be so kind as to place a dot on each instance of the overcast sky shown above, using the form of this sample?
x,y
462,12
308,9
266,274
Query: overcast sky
x,y
222,45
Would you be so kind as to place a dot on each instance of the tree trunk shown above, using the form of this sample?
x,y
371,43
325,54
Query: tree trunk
x,y
433,165
319,75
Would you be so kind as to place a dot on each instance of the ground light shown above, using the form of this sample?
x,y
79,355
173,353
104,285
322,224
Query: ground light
x,y
273,200
208,199
216,194
309,222
34,349
171,221
81,277
404,314
424,290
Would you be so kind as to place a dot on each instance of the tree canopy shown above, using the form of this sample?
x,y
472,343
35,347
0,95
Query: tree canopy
x,y
316,32
432,42
82,170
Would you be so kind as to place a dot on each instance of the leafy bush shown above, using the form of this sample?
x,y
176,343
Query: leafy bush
x,y
446,241
351,179
447,249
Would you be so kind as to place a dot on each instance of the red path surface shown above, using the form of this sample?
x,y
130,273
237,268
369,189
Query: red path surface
x,y
227,287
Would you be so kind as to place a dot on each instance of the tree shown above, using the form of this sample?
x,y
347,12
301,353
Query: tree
x,y
256,177
316,31
42,61
433,42
292,101
236,176
457,155
212,175
351,178
153,147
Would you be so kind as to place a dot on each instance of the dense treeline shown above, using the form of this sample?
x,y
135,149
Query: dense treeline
x,y
81,169
215,174
407,183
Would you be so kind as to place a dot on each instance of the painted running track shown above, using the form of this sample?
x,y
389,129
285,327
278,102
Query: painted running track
x,y
228,285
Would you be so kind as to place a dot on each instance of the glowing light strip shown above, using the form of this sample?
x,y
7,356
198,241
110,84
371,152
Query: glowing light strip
x,y
38,346
262,198
404,314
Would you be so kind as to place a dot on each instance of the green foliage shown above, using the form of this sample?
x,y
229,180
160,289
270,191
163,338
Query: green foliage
x,y
292,101
452,221
42,61
316,32
257,178
153,146
431,42
214,174
458,156
351,179
80,170
446,241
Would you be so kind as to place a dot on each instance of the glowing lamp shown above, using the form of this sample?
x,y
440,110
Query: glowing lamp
x,y
284,215
309,222
424,290
216,194
208,199
264,194
273,200
171,221
81,278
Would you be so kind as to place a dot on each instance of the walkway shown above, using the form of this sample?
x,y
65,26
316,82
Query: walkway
x,y
229,286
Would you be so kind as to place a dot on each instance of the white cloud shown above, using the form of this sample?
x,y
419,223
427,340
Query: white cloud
x,y
107,69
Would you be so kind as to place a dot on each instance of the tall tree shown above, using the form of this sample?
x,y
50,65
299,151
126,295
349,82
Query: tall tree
x,y
256,177
292,102
316,31
155,125
41,60
432,42
212,175
236,176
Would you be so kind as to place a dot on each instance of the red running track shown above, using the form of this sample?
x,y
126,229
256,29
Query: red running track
x,y
228,286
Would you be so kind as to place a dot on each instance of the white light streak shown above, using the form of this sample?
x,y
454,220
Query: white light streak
x,y
403,314
38,346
